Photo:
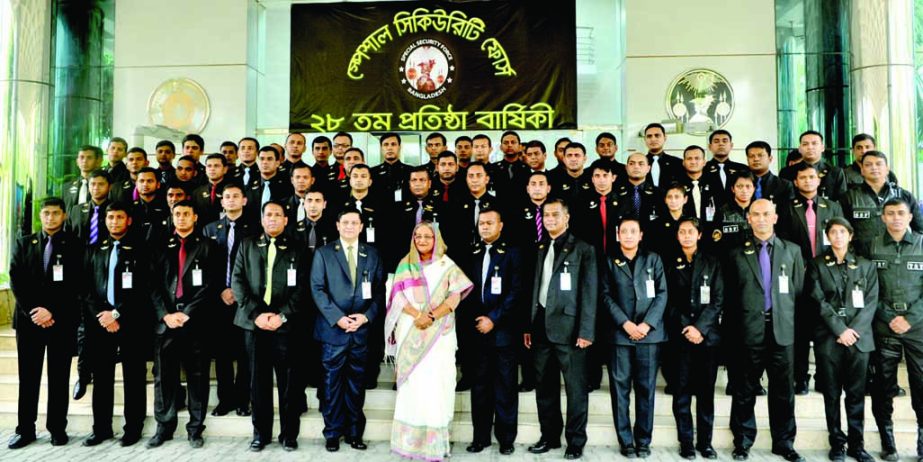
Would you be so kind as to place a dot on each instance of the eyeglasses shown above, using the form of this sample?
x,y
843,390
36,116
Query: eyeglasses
x,y
420,237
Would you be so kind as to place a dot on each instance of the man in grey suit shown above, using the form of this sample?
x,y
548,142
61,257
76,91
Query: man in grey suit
x,y
764,280
561,326
347,282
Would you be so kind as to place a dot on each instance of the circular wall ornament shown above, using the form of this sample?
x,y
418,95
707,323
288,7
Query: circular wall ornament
x,y
180,104
702,99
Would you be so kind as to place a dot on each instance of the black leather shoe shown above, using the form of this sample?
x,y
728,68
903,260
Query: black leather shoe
x,y
837,454
801,387
573,453
80,389
18,441
543,446
629,452
157,440
257,445
741,454
332,444
371,385
463,385
476,447
860,455
761,391
289,445
222,410
889,454
644,452
901,392
196,441
59,439
95,440
687,451
526,387
243,411
129,439
708,452
356,443
507,449
790,455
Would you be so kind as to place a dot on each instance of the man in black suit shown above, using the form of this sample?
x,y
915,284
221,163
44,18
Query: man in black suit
x,y
45,278
124,189
606,147
149,213
765,280
802,221
347,281
634,292
116,152
184,290
665,168
118,323
78,191
768,185
87,221
302,181
572,181
561,325
421,205
248,170
271,184
510,173
390,176
318,228
696,298
227,339
207,198
268,280
720,144
705,193
832,180
495,269
638,197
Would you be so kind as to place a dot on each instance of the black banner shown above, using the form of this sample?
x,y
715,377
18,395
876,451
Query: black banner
x,y
433,65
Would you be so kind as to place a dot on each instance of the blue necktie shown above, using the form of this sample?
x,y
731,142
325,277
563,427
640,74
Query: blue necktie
x,y
94,225
766,269
759,189
113,263
231,238
266,194
46,257
636,201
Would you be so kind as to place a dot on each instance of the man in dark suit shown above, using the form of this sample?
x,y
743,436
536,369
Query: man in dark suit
x,y
705,193
207,198
845,288
118,323
78,191
149,213
227,339
116,152
638,197
88,220
421,205
495,269
802,221
268,281
767,185
720,144
347,281
694,304
765,280
184,291
271,184
390,176
832,180
561,325
634,292
45,278
665,168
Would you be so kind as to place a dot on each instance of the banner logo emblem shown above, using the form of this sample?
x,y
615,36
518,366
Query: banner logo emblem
x,y
427,68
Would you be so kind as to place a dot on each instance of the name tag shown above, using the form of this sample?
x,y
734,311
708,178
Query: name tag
x,y
861,215
370,235
710,213
881,264
915,266
783,284
126,280
292,276
496,285
730,229
858,298
649,288
565,281
57,273
398,195
704,295
196,277
366,290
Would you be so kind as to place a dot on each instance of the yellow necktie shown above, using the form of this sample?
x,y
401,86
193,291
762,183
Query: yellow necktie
x,y
270,259
351,262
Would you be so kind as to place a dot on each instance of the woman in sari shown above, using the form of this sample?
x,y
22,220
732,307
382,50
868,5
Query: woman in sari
x,y
420,333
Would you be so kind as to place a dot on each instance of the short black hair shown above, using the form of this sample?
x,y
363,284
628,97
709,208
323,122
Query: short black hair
x,y
715,133
320,140
229,144
445,154
151,170
360,167
655,125
600,164
185,203
575,145
478,163
53,202
347,211
97,152
677,186
339,134
195,139
137,149
536,144
511,132
361,154
387,135
565,140
271,149
841,222
493,209
100,173
418,169
271,202
810,132
746,175
224,160
606,136
693,147
166,143
296,134
794,155
118,139
118,206
437,135
463,138
759,144
232,185
877,154
692,220
863,137
541,174
300,165
895,201
481,136
187,158
556,200
802,166
249,138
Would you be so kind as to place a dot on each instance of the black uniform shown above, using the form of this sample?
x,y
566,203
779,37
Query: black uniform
x,y
567,187
54,286
854,176
671,169
118,172
713,169
390,180
207,201
643,202
151,220
832,179
769,186
279,187
71,192
509,179
862,206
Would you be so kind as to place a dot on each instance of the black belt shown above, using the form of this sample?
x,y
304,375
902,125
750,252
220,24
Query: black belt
x,y
899,307
767,315
180,307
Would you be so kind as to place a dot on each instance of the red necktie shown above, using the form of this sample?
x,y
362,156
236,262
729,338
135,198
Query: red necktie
x,y
811,218
445,193
342,173
212,194
602,214
179,272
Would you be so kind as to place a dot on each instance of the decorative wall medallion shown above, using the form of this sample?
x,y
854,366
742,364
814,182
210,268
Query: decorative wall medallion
x,y
180,104
702,99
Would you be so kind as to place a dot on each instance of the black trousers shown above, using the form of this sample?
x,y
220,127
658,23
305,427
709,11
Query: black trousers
x,y
228,348
175,348
376,351
344,389
551,360
494,394
466,355
694,375
31,345
598,354
777,361
887,358
806,320
842,369
633,367
84,368
103,351
307,370
270,352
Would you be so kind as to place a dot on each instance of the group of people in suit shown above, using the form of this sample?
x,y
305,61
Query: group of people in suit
x,y
256,259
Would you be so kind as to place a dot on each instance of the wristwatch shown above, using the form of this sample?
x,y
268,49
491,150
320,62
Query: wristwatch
x,y
283,318
115,314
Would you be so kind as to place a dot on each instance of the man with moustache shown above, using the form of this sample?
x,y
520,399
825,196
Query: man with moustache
x,y
664,168
116,151
638,197
463,149
302,181
248,170
164,152
767,185
295,145
125,191
207,198
832,179
720,145
342,141
271,184
391,174
606,147
77,192
435,145
325,175
573,181
447,186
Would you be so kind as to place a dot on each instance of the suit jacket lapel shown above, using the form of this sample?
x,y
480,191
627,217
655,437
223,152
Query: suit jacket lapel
x,y
192,252
753,262
340,252
802,220
559,257
638,274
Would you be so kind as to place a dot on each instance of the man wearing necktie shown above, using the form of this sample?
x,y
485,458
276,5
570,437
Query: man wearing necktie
x,y
721,167
88,221
271,185
802,221
45,279
207,197
77,191
421,205
190,271
638,197
348,287
227,339
495,267
664,168
302,182
118,325
764,282
268,283
766,185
